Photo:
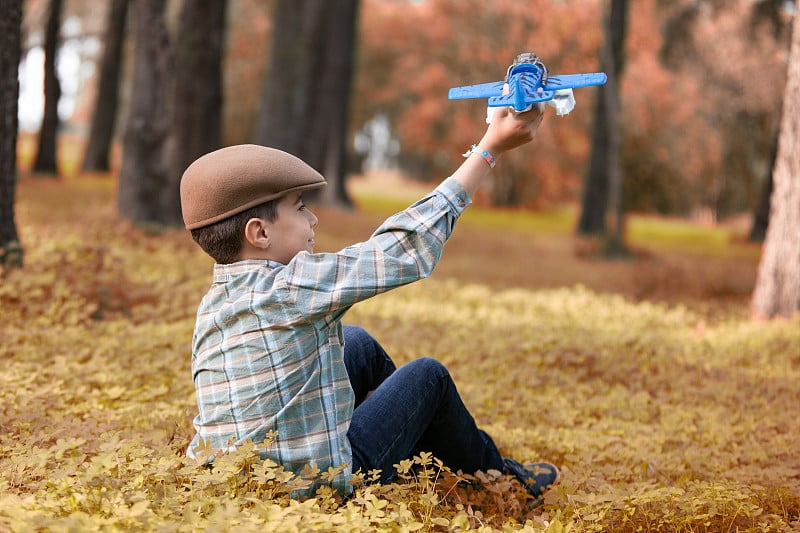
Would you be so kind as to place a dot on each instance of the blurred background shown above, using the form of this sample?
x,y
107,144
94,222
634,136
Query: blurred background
x,y
687,126
700,85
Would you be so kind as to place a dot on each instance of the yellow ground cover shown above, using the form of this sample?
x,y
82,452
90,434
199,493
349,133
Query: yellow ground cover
x,y
667,408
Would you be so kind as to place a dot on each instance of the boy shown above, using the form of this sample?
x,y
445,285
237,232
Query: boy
x,y
270,355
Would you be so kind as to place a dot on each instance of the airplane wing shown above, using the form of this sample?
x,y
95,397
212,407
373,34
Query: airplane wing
x,y
574,81
483,90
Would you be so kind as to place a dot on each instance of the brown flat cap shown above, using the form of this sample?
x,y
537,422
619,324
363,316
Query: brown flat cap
x,y
234,179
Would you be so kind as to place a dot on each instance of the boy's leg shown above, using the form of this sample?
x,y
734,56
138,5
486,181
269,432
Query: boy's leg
x,y
418,408
367,363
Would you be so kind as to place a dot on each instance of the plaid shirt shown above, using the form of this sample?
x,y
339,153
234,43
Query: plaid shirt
x,y
267,350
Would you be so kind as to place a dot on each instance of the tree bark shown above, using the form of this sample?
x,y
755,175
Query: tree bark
x,y
777,291
336,84
101,132
305,102
10,51
602,197
758,230
46,159
595,189
145,192
613,55
198,101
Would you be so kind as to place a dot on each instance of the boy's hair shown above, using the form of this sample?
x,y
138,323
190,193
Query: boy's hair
x,y
223,240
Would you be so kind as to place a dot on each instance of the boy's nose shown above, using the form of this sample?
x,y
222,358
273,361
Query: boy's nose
x,y
314,219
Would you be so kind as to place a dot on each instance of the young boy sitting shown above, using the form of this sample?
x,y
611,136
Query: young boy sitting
x,y
270,355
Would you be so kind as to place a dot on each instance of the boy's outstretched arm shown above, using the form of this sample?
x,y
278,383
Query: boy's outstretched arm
x,y
508,130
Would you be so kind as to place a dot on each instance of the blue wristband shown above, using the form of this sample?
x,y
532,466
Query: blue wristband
x,y
485,154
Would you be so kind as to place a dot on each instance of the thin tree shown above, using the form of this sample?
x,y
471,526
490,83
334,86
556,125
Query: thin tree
x,y
602,196
144,175
777,291
198,101
104,117
46,160
305,102
758,229
772,13
10,51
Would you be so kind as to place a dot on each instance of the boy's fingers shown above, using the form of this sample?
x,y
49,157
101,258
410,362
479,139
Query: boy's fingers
x,y
501,112
540,107
533,117
510,129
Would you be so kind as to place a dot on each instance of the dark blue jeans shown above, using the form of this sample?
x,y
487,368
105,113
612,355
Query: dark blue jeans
x,y
400,412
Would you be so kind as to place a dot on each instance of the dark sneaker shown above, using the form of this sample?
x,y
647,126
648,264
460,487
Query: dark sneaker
x,y
537,478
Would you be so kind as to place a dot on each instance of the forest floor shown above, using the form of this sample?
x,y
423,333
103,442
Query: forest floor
x,y
665,405
670,260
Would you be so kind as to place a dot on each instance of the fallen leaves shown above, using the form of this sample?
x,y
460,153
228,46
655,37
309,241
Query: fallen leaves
x,y
655,426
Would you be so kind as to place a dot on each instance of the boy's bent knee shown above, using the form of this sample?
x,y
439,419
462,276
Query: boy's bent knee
x,y
355,332
430,366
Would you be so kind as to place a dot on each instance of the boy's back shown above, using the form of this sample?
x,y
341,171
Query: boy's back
x,y
260,365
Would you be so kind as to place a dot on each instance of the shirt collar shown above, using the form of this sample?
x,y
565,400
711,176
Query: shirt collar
x,y
224,273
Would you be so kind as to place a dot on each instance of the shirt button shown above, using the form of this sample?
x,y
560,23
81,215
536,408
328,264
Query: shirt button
x,y
461,202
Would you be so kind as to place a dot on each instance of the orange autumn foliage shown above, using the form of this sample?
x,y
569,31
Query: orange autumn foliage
x,y
674,121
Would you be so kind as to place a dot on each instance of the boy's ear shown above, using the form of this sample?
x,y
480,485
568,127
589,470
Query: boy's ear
x,y
256,233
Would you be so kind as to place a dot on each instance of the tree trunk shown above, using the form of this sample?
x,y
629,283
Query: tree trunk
x,y
777,291
602,197
595,189
101,132
305,102
10,37
336,84
197,124
46,160
146,192
758,230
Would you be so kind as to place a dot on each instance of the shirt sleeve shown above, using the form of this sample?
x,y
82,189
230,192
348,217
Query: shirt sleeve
x,y
405,248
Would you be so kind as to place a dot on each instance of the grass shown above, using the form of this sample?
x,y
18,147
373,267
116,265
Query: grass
x,y
665,405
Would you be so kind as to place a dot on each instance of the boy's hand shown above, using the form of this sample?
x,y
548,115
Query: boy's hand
x,y
507,130
510,129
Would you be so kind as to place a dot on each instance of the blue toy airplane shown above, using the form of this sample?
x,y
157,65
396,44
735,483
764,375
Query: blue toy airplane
x,y
528,84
